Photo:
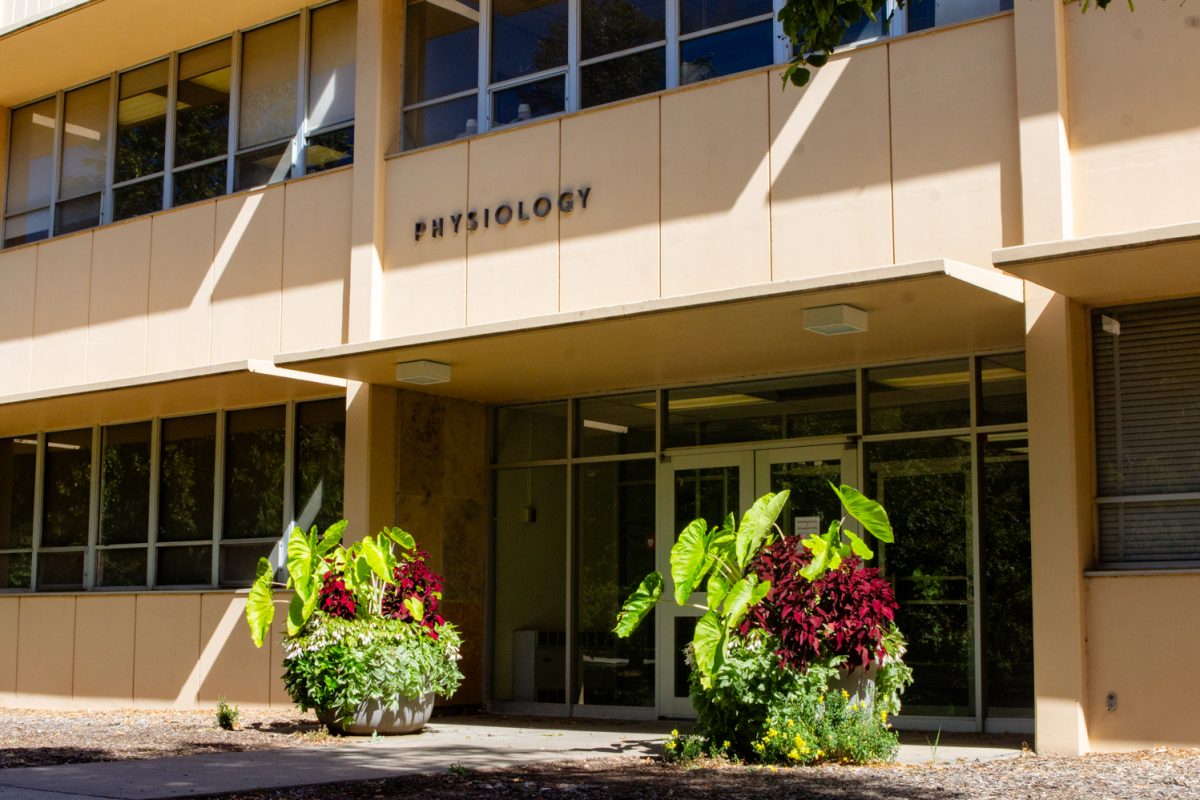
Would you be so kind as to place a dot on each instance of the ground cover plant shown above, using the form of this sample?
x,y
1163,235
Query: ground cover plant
x,y
797,658
363,622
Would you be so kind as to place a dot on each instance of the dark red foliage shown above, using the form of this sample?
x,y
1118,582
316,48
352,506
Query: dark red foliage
x,y
336,600
844,613
415,579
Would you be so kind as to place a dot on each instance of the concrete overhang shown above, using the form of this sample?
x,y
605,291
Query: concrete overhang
x,y
919,310
240,383
1114,268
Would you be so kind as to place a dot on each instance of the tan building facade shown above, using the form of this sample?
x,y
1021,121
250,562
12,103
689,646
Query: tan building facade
x,y
235,232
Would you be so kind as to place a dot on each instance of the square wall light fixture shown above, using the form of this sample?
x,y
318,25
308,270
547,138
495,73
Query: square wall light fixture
x,y
835,320
422,373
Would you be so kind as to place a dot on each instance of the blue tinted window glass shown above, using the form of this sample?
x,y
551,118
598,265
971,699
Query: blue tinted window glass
x,y
610,26
696,15
528,36
529,100
923,14
726,52
627,76
440,123
442,50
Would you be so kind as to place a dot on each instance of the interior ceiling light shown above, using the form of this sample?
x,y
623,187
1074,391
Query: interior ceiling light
x,y
422,373
835,320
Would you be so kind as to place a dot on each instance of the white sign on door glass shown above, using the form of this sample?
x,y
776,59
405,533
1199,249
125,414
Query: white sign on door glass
x,y
803,526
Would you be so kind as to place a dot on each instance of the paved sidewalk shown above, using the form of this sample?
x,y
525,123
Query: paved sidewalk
x,y
473,743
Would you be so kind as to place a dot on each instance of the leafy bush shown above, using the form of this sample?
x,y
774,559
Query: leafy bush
x,y
815,724
227,715
336,664
845,612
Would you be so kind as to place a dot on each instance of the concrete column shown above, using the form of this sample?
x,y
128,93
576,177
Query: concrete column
x,y
370,482
1060,458
380,48
1041,52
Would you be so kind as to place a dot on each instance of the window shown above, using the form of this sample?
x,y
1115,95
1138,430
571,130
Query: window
x,y
173,138
182,502
1146,362
476,65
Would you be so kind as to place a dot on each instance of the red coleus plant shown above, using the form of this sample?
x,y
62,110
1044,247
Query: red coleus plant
x,y
844,613
415,580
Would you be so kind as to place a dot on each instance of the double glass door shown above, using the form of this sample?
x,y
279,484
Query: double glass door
x,y
713,485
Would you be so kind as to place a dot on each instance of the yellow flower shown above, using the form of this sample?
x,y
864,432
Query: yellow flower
x,y
791,724
674,732
799,740
845,695
725,744
854,707
794,756
821,699
883,716
670,745
759,746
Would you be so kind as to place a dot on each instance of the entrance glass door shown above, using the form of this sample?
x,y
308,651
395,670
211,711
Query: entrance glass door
x,y
711,486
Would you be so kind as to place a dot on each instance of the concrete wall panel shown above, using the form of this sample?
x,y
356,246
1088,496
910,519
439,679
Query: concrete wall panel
x,y
45,652
181,256
955,153
716,225
248,276
119,301
512,270
610,251
425,281
104,644
1134,625
1135,141
60,312
166,665
316,261
18,271
230,665
831,194
10,615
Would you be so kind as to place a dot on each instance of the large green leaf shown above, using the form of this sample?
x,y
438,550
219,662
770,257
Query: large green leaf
x,y
332,537
760,591
415,607
859,547
718,588
820,558
757,524
708,644
401,537
260,605
296,617
300,556
687,560
738,600
377,560
872,516
638,605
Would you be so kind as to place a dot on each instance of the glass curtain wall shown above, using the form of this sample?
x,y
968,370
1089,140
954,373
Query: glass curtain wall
x,y
942,444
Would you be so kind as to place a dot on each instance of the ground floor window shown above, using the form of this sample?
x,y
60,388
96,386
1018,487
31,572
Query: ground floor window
x,y
589,494
180,501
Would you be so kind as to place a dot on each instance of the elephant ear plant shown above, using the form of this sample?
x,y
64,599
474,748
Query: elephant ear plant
x,y
722,559
363,625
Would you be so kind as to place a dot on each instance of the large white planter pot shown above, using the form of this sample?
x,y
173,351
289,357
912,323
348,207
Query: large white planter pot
x,y
859,683
373,716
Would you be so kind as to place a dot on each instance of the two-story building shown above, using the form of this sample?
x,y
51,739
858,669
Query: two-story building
x,y
543,280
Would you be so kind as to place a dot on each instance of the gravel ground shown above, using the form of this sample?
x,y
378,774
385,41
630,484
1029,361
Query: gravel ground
x,y
38,738
1156,774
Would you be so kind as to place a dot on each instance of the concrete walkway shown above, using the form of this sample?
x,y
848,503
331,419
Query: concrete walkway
x,y
475,743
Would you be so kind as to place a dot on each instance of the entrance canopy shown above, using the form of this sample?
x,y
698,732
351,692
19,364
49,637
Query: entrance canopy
x,y
239,383
912,311
1115,268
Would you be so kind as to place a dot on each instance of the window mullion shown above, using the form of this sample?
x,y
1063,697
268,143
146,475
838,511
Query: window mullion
x,y
574,43
299,141
672,54
169,155
483,121
60,122
90,557
289,480
106,197
218,496
235,105
155,483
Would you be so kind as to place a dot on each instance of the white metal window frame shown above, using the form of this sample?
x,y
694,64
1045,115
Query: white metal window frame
x,y
485,89
298,141
93,548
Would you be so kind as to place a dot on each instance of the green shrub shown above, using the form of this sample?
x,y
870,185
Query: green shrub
x,y
806,728
227,715
336,664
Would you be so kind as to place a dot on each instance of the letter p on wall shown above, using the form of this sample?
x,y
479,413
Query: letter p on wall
x,y
418,231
